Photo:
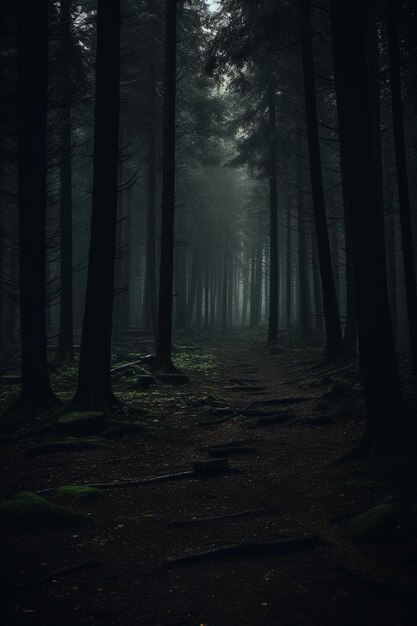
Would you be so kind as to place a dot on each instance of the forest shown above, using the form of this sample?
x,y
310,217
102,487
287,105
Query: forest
x,y
208,312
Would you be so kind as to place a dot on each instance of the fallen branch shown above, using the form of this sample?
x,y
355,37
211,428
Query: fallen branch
x,y
274,548
195,473
198,520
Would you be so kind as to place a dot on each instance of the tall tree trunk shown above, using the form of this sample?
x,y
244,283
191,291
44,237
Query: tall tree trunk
x,y
245,299
352,25
225,286
32,166
206,293
163,360
334,338
303,275
151,308
94,379
392,256
318,306
350,336
65,353
402,177
273,220
289,270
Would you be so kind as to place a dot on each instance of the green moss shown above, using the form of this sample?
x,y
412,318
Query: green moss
x,y
377,525
76,416
78,491
27,510
81,424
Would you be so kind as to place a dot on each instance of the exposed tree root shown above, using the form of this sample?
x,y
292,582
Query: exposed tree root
x,y
273,548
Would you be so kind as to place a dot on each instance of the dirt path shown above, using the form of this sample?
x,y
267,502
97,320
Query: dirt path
x,y
129,582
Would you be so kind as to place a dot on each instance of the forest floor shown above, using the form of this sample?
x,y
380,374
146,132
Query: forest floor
x,y
120,572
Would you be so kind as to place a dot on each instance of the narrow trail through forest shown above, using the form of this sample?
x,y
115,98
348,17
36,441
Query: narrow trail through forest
x,y
116,570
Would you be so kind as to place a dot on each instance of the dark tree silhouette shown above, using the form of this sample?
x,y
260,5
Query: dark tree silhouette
x,y
32,168
163,360
402,176
334,339
387,423
273,220
94,380
65,336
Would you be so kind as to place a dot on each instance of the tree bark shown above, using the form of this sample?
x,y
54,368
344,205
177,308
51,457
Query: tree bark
x,y
387,426
94,379
273,221
32,167
163,360
334,338
151,308
303,277
402,177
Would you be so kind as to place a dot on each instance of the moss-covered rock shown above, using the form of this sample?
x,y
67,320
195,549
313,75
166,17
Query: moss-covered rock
x,y
78,492
376,525
81,424
27,510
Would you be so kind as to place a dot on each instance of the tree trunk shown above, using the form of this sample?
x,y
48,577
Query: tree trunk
x,y
94,379
150,269
352,25
289,271
334,338
65,349
402,178
350,336
163,361
32,166
273,221
303,275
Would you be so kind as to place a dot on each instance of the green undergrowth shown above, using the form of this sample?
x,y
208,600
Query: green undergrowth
x,y
27,510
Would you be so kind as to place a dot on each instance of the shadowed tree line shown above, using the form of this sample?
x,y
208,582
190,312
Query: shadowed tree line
x,y
168,168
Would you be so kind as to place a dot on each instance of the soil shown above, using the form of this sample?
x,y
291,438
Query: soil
x,y
127,580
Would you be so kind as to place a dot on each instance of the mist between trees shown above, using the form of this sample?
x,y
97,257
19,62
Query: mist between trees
x,y
168,167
